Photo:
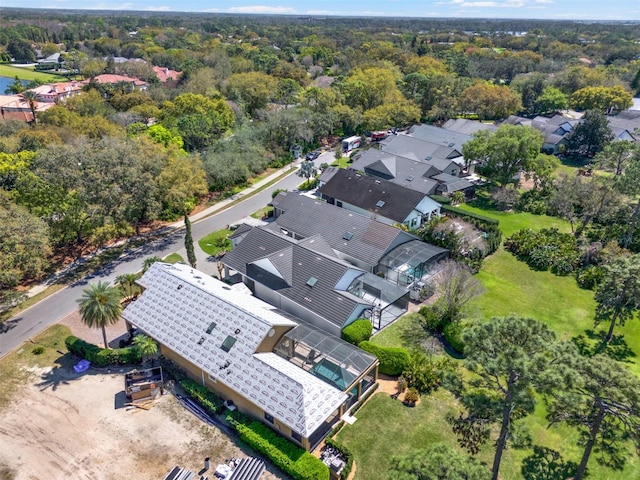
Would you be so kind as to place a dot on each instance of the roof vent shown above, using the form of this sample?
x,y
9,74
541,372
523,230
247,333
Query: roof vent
x,y
452,144
347,236
312,281
380,203
201,341
378,182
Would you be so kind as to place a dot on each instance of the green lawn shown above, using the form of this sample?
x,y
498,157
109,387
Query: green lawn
x,y
512,222
211,243
173,258
386,427
29,74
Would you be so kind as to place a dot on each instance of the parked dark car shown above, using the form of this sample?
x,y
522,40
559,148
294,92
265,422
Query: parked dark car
x,y
312,155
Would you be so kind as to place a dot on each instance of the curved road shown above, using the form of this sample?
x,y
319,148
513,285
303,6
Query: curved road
x,y
54,308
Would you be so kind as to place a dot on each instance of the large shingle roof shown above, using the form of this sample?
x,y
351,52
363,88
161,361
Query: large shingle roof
x,y
387,199
307,217
289,270
440,136
469,127
177,307
417,149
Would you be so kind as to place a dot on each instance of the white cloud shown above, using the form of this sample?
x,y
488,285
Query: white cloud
x,y
158,9
260,9
110,6
545,1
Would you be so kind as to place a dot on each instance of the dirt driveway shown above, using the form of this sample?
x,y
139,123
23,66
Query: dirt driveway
x,y
66,426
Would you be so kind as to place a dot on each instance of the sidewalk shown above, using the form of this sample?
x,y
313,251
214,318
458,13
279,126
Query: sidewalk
x,y
202,256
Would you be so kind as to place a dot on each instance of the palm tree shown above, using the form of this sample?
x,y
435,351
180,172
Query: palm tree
x,y
148,262
146,345
30,97
100,306
458,197
126,281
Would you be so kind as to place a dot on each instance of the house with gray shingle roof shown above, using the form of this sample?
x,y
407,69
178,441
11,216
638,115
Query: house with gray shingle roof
x,y
293,377
385,201
357,239
307,279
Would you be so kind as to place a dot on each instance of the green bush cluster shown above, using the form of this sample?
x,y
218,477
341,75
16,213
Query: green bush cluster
x,y
293,460
358,331
102,357
432,318
423,373
393,360
205,397
452,332
547,249
590,277
346,454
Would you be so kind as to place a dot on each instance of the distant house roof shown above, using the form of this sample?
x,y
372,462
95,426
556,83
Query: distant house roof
x,y
466,126
177,309
440,136
387,199
113,79
402,171
307,217
53,58
417,149
165,74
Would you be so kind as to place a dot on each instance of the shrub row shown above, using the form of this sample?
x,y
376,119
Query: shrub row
x,y
101,357
393,360
293,460
459,212
358,331
440,199
205,397
346,454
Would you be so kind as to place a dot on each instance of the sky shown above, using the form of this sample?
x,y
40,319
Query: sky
x,y
539,9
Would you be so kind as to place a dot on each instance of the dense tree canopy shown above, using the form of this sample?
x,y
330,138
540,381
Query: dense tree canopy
x,y
502,155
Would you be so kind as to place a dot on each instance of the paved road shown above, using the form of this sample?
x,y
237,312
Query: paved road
x,y
55,307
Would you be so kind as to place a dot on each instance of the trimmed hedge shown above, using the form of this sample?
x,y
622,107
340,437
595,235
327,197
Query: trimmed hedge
x,y
293,460
205,397
393,360
358,331
440,199
102,357
463,213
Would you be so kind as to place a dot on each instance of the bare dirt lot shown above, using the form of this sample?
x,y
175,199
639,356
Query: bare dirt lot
x,y
62,425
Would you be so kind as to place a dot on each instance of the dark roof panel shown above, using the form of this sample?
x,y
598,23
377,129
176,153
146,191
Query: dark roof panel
x,y
391,200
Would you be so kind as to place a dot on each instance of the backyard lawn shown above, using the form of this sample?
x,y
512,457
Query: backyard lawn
x,y
511,287
29,74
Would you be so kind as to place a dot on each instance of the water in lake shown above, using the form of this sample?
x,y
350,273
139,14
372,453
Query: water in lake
x,y
5,82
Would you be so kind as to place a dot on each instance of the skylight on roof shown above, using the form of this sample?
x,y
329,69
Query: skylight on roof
x,y
228,343
410,177
347,236
211,326
312,281
380,203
